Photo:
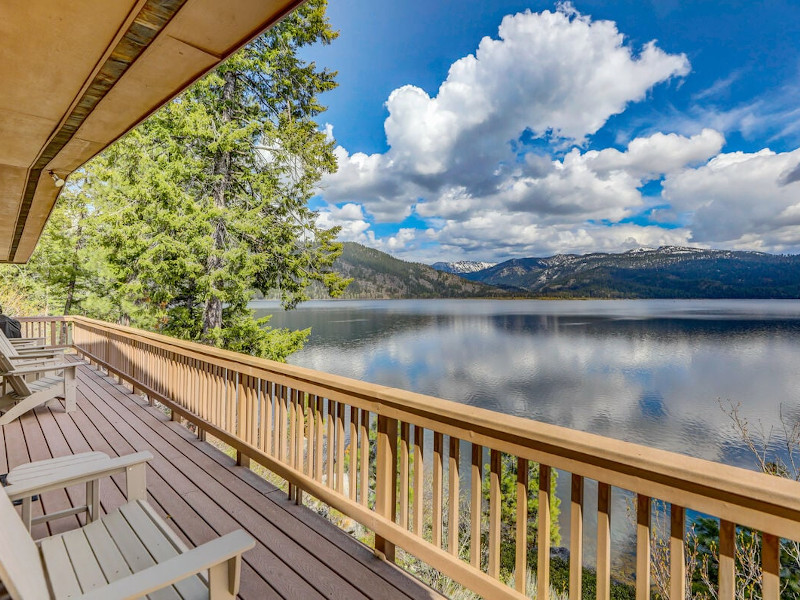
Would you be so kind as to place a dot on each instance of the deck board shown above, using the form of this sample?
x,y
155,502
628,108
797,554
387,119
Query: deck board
x,y
203,493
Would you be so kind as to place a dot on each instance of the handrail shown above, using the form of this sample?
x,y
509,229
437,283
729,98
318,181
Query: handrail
x,y
297,422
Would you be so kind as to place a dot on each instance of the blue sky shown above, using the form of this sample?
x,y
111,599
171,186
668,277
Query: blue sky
x,y
489,130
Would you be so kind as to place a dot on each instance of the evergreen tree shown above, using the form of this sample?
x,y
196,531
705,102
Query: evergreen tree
x,y
508,509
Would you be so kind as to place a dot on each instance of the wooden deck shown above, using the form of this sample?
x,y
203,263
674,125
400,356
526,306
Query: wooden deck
x,y
204,494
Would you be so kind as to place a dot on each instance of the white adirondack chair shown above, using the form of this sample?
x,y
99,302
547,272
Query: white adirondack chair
x,y
128,553
27,395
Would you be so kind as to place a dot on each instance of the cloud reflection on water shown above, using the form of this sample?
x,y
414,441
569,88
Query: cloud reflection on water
x,y
656,378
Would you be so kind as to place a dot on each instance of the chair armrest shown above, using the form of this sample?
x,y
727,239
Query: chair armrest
x,y
40,356
177,568
41,368
26,359
38,352
27,342
74,474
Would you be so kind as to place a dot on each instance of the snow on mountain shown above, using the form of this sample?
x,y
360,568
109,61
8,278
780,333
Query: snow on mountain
x,y
462,266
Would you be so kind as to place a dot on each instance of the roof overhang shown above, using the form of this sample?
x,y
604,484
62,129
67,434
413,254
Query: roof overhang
x,y
75,76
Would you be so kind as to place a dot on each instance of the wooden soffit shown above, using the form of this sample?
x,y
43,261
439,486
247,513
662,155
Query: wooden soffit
x,y
77,75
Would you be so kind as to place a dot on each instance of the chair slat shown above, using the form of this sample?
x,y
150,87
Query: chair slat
x,y
59,568
160,542
83,560
108,555
132,549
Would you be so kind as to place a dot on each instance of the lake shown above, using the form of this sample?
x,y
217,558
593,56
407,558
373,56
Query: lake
x,y
653,372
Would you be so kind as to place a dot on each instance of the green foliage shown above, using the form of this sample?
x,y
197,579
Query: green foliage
x,y
559,577
20,294
67,265
508,509
245,334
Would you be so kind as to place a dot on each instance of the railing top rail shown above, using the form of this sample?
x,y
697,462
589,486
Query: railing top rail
x,y
43,319
749,489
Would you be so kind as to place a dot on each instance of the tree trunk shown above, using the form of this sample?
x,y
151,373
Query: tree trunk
x,y
74,271
212,311
75,264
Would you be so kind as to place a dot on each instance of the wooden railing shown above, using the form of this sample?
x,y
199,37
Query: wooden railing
x,y
54,331
314,430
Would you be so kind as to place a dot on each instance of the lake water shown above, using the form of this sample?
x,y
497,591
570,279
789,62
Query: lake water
x,y
647,371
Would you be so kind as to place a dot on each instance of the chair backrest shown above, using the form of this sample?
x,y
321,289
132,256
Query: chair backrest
x,y
17,382
6,347
21,567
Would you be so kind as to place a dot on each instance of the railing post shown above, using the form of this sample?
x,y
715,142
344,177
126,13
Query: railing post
x,y
727,560
386,481
603,541
576,540
643,526
770,567
677,552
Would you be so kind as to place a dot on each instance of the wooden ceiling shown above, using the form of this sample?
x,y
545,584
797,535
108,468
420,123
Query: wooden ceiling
x,y
75,76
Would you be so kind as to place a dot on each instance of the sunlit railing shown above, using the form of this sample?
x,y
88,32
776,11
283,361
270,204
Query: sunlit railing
x,y
363,449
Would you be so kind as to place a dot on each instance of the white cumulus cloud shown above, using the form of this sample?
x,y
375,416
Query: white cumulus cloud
x,y
349,217
499,235
741,200
567,205
658,154
554,75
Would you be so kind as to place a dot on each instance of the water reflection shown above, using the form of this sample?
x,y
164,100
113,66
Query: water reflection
x,y
650,372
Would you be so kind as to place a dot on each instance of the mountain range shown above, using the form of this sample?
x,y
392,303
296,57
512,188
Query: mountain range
x,y
666,272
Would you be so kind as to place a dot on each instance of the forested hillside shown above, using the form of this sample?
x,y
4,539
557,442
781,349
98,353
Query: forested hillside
x,y
668,272
376,274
